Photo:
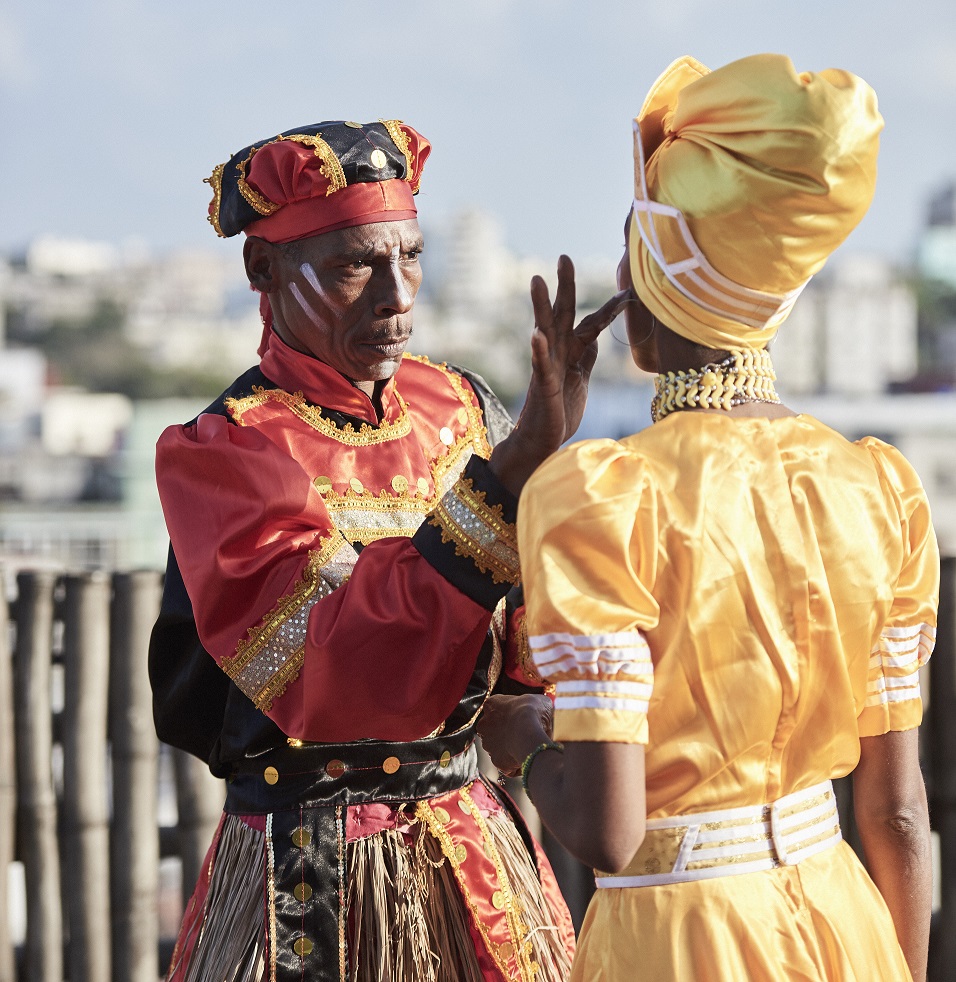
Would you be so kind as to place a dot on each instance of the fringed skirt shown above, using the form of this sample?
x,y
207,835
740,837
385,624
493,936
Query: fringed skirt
x,y
445,889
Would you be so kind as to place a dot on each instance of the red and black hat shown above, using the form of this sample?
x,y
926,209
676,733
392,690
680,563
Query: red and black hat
x,y
319,178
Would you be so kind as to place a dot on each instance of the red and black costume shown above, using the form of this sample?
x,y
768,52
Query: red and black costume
x,y
334,617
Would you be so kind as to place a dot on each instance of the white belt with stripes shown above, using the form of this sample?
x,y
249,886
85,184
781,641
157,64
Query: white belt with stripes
x,y
704,845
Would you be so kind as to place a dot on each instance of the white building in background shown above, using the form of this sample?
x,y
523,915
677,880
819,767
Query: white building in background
x,y
853,332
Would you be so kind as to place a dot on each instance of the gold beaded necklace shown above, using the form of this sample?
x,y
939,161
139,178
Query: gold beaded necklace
x,y
743,376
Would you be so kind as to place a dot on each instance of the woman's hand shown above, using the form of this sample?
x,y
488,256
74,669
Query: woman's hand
x,y
512,726
562,357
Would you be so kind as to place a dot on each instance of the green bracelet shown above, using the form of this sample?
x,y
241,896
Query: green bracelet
x,y
529,760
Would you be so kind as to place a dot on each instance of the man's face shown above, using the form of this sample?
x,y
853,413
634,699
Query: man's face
x,y
346,297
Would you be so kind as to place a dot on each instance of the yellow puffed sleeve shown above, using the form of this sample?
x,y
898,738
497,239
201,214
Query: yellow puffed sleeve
x,y
906,640
588,541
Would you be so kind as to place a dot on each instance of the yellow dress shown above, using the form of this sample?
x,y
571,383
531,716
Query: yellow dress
x,y
784,583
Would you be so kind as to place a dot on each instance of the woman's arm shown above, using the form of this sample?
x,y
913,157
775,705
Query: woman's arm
x,y
889,802
591,796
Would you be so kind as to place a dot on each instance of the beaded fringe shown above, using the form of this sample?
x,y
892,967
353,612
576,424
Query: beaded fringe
x,y
745,376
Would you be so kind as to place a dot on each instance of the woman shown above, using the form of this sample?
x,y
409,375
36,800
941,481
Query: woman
x,y
732,604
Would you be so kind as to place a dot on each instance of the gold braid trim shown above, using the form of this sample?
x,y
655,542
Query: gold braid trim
x,y
744,376
312,415
425,815
400,139
479,531
330,168
215,182
260,203
271,655
518,928
476,423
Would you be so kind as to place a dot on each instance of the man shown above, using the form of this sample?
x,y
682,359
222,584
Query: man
x,y
342,529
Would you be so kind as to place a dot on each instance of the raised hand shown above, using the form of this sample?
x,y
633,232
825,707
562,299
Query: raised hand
x,y
562,357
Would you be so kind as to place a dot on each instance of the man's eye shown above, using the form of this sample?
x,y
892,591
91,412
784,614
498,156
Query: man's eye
x,y
358,264
412,255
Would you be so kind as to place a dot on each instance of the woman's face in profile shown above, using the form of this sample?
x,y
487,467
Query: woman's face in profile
x,y
638,320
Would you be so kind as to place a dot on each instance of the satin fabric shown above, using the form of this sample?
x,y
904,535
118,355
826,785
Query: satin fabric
x,y
771,169
764,561
245,546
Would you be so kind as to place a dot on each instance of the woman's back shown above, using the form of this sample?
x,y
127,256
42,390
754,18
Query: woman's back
x,y
763,559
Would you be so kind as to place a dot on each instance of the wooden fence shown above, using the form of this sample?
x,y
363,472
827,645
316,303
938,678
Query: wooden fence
x,y
79,783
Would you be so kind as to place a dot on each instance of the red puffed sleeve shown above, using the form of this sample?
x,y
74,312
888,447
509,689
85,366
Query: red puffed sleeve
x,y
377,645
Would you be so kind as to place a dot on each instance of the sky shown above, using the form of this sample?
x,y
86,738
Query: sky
x,y
113,111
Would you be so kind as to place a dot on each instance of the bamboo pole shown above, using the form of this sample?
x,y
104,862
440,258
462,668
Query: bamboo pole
x,y
85,797
134,843
8,788
199,799
940,748
36,802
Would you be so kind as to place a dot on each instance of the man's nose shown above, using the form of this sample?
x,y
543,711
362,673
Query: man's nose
x,y
396,291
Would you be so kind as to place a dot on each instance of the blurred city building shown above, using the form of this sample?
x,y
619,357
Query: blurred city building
x,y
101,347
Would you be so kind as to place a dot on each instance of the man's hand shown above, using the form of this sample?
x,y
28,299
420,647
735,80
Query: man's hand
x,y
562,357
512,726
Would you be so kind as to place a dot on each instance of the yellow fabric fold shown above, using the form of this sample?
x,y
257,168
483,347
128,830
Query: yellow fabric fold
x,y
770,168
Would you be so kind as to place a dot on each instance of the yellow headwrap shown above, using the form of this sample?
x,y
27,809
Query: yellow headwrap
x,y
746,179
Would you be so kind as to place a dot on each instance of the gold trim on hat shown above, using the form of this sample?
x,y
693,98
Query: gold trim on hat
x,y
215,182
330,168
400,139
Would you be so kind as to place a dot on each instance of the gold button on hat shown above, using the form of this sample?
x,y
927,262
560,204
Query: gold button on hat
x,y
400,483
302,892
302,947
505,950
422,485
301,837
442,815
323,485
391,764
461,853
271,775
446,436
355,126
464,806
498,900
378,159
356,485
335,768
462,415
445,759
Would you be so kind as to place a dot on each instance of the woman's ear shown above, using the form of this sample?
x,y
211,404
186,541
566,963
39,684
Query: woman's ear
x,y
260,259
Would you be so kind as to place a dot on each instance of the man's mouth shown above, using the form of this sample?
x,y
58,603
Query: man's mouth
x,y
388,348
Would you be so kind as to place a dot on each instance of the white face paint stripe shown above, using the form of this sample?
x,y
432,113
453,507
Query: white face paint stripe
x,y
309,273
304,304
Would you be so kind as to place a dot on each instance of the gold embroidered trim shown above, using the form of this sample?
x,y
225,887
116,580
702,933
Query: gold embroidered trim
x,y
425,815
479,531
517,927
312,415
341,847
475,424
524,658
271,655
260,203
330,168
215,182
272,899
400,139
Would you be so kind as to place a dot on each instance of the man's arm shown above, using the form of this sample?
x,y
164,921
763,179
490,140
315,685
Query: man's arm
x,y
889,802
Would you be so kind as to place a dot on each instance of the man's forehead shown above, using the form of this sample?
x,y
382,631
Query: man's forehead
x,y
375,237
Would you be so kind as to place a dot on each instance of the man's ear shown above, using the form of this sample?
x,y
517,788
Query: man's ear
x,y
261,258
